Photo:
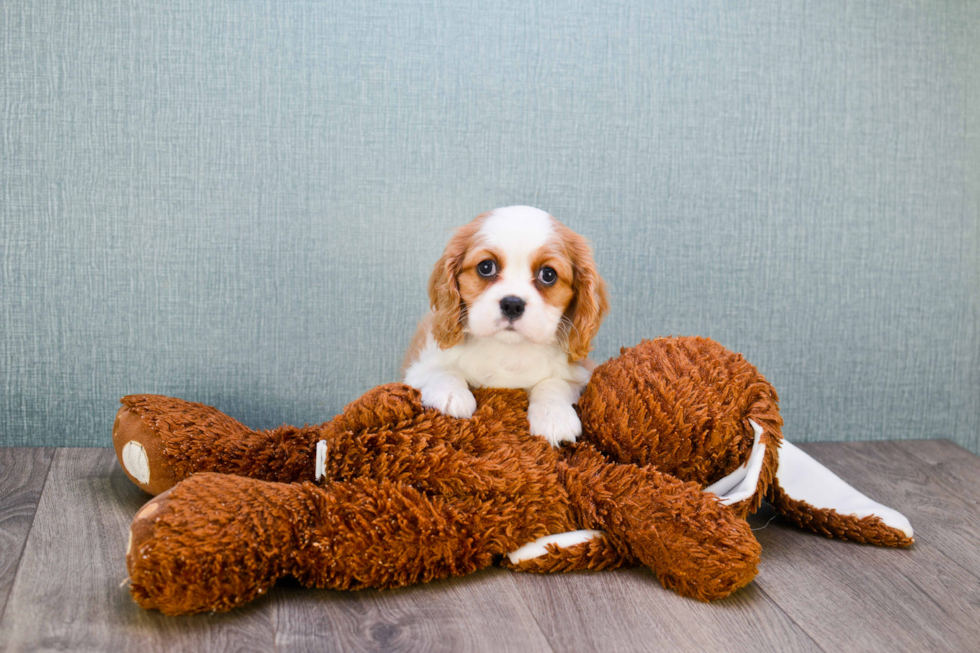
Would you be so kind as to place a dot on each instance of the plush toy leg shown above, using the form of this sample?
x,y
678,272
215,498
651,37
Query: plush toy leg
x,y
694,544
215,541
587,549
815,498
160,440
212,542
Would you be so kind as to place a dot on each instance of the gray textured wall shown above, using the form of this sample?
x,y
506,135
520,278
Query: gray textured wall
x,y
239,202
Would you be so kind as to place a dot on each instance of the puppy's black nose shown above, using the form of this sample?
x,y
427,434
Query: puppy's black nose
x,y
512,307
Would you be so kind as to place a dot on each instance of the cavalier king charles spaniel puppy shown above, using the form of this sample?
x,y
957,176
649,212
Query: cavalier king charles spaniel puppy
x,y
516,301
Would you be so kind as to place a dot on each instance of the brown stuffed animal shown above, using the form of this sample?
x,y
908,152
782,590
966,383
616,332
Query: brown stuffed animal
x,y
681,439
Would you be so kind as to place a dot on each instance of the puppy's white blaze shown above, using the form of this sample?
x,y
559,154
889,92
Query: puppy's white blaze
x,y
537,548
519,229
742,483
136,461
804,479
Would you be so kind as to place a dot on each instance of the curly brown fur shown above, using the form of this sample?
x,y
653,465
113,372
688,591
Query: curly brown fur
x,y
408,498
411,494
183,437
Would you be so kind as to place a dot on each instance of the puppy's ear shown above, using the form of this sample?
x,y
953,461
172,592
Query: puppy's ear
x,y
591,301
448,310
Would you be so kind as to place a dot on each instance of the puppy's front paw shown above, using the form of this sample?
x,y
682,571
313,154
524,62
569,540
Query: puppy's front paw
x,y
556,423
451,400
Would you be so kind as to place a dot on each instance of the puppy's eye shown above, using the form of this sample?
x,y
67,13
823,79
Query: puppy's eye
x,y
547,276
486,268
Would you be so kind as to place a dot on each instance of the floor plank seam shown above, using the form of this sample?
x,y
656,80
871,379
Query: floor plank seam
x,y
790,617
23,547
531,612
911,453
903,446
274,620
925,593
958,564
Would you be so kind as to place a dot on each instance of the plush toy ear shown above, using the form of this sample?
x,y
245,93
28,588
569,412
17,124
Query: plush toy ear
x,y
812,496
448,309
815,498
591,301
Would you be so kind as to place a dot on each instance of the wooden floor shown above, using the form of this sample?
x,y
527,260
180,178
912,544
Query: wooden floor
x,y
64,515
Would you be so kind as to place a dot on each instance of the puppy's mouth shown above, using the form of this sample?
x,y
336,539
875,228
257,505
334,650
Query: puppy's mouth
x,y
509,334
504,325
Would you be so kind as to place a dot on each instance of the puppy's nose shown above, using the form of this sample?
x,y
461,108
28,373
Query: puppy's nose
x,y
512,307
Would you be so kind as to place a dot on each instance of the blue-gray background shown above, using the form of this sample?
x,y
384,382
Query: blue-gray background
x,y
239,202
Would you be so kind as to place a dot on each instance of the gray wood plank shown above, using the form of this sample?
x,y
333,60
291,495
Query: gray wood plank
x,y
812,593
944,499
628,610
68,592
22,474
479,612
852,597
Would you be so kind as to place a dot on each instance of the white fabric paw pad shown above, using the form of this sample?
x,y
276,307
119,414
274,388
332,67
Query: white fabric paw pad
x,y
538,547
136,462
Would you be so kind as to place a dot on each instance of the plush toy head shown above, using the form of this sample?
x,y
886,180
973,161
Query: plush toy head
x,y
685,406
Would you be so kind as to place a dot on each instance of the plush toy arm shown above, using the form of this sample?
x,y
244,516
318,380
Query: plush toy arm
x,y
815,498
385,434
693,543
161,440
383,406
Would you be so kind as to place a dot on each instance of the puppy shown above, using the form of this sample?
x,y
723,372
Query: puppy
x,y
516,301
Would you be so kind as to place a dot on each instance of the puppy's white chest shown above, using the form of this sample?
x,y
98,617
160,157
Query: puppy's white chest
x,y
499,365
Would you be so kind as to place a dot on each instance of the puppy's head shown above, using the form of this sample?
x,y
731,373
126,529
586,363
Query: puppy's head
x,y
518,275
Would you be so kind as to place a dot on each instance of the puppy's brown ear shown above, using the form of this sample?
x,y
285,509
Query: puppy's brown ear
x,y
448,310
591,302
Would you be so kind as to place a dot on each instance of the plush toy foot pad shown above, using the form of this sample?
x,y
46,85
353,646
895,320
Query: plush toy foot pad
x,y
571,551
140,452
